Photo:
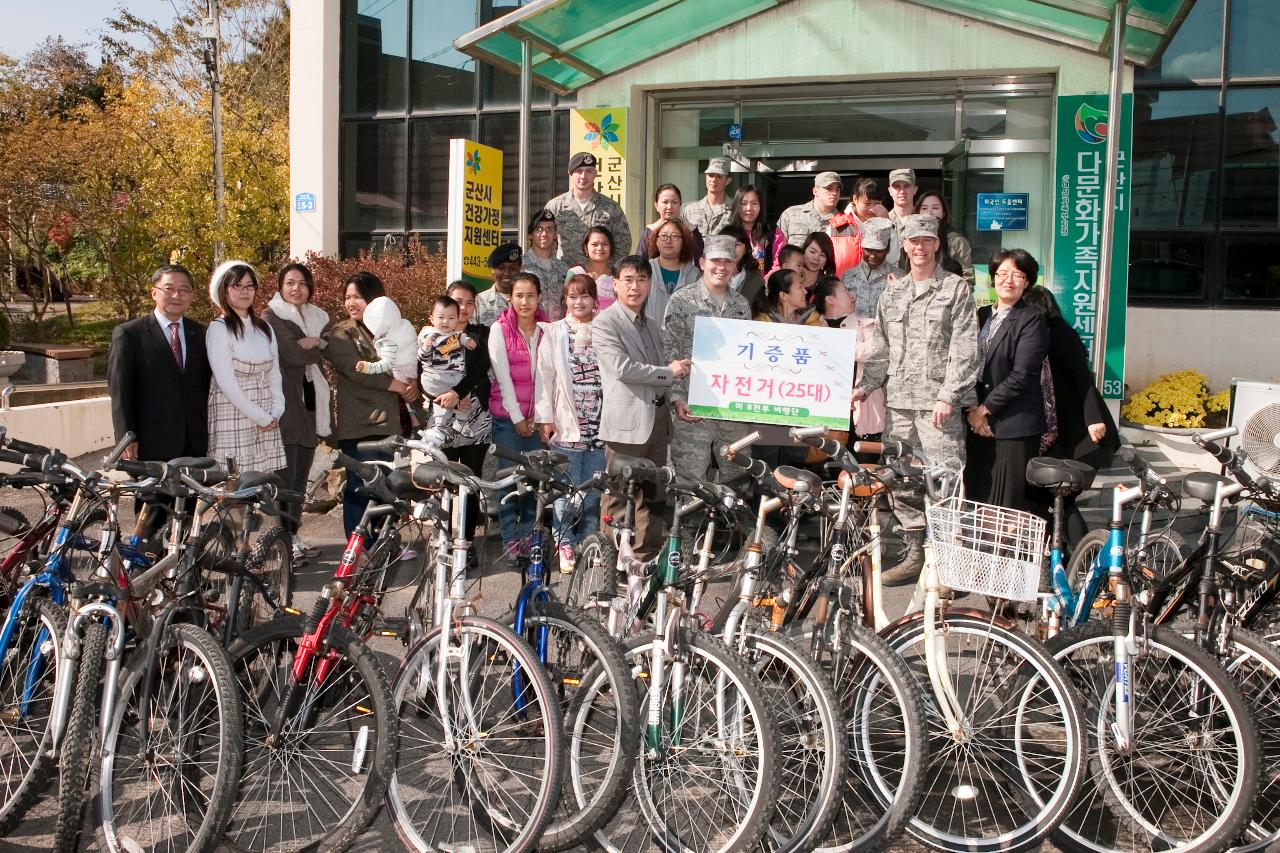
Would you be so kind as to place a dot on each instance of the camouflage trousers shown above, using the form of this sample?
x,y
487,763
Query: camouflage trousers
x,y
915,427
693,449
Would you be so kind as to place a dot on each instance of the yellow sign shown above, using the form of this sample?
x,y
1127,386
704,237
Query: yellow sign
x,y
603,132
475,209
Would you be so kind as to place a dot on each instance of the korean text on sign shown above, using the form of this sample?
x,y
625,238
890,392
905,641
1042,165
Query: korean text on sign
x,y
772,373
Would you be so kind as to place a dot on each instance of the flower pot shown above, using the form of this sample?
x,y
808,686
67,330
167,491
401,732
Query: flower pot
x,y
11,362
1174,442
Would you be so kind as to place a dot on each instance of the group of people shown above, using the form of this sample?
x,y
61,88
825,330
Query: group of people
x,y
575,348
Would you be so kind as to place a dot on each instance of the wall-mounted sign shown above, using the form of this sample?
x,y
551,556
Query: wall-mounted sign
x,y
475,210
735,132
603,132
304,203
1002,211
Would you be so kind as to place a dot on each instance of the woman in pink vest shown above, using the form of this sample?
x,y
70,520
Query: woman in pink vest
x,y
513,354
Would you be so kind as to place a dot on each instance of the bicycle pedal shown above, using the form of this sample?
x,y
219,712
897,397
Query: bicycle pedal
x,y
391,626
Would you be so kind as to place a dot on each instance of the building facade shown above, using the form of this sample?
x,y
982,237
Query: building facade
x,y
857,87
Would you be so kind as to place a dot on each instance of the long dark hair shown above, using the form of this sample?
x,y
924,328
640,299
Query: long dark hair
x,y
1041,299
230,275
828,248
766,298
944,228
613,247
758,231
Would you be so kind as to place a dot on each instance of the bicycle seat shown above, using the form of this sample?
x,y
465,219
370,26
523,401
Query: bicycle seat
x,y
1203,485
253,479
1050,473
861,490
402,485
790,478
621,466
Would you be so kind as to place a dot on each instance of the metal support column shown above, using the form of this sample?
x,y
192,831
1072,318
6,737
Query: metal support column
x,y
1108,218
526,96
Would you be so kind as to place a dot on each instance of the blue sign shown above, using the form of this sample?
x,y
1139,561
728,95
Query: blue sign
x,y
1002,211
735,132
304,203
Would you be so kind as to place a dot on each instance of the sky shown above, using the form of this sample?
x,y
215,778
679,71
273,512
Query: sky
x,y
29,22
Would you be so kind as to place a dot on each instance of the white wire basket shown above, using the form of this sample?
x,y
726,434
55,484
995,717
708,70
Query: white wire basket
x,y
986,549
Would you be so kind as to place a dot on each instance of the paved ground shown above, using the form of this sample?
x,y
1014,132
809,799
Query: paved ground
x,y
498,588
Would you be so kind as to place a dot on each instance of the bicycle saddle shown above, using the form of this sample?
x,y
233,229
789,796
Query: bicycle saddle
x,y
253,479
861,490
1050,473
790,478
621,466
1203,485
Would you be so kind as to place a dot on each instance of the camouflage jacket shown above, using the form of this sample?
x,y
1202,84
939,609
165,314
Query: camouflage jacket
x,y
866,285
800,220
704,218
689,302
929,332
574,225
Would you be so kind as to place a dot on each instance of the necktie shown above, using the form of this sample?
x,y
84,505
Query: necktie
x,y
175,344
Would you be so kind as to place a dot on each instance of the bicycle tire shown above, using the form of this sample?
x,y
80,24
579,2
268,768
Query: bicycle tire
x,y
339,748
990,795
1165,549
1104,818
593,679
22,526
436,790
745,813
25,762
271,561
594,576
76,751
1254,665
883,711
175,792
813,743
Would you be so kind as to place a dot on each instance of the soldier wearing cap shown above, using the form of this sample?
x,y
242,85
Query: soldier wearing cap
x,y
541,260
801,220
709,214
927,325
504,262
902,188
693,444
867,280
582,208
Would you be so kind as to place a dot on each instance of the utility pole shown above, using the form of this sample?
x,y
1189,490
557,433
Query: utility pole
x,y
212,63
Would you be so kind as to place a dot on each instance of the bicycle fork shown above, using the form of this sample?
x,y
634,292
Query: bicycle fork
x,y
72,646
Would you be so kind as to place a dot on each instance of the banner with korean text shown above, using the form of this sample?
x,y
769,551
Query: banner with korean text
x,y
475,211
1080,167
772,373
603,132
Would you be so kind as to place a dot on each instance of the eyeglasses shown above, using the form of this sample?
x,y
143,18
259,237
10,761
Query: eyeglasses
x,y
1005,275
242,286
169,290
668,238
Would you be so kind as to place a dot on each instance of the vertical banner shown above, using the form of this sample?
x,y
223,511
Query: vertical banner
x,y
603,132
1080,168
475,210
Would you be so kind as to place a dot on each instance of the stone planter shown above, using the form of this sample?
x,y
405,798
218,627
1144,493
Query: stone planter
x,y
11,362
1175,443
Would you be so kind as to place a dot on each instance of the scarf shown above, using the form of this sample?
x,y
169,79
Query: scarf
x,y
312,321
580,333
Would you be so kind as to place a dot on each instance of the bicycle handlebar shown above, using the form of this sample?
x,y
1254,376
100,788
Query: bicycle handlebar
x,y
114,456
27,447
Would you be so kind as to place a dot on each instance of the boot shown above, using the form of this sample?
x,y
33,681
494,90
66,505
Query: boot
x,y
908,568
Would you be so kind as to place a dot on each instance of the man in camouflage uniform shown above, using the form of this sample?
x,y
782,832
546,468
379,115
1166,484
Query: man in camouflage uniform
x,y
710,214
504,263
541,260
582,208
867,280
927,325
800,220
902,188
694,440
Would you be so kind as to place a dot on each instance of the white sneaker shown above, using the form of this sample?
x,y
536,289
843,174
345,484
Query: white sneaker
x,y
303,551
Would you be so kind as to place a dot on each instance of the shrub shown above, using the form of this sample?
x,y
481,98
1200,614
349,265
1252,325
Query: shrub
x,y
1179,399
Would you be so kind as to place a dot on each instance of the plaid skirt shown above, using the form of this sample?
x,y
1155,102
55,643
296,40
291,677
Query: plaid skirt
x,y
232,434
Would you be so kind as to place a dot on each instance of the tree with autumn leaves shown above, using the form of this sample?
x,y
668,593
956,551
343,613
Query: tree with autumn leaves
x,y
108,171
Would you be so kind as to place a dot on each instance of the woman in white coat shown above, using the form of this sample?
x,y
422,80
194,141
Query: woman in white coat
x,y
567,401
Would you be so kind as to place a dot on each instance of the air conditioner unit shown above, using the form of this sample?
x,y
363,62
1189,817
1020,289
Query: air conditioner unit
x,y
1255,411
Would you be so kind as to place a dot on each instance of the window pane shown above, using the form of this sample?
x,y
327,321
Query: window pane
x,y
503,131
1195,53
442,77
373,176
503,90
1255,30
374,49
429,151
1175,158
1252,271
1166,268
1010,118
1251,162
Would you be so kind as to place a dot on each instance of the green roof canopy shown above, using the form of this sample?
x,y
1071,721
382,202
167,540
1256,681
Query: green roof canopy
x,y
576,42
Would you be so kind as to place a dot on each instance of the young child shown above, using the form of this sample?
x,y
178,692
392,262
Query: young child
x,y
394,340
441,359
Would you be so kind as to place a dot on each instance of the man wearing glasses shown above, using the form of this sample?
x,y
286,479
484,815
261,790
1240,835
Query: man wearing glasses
x,y
927,326
158,375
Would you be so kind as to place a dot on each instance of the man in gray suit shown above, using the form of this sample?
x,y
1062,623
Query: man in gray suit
x,y
635,417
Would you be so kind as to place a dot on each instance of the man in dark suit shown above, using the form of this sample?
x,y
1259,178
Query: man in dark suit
x,y
158,375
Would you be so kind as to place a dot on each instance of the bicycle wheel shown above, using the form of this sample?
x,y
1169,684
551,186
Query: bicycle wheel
x,y
813,745
1165,550
28,674
318,784
883,715
1009,776
171,759
271,562
76,750
707,778
13,527
595,577
1254,664
481,755
1189,780
601,715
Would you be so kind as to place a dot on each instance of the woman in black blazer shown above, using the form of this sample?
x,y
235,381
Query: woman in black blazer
x,y
1006,426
